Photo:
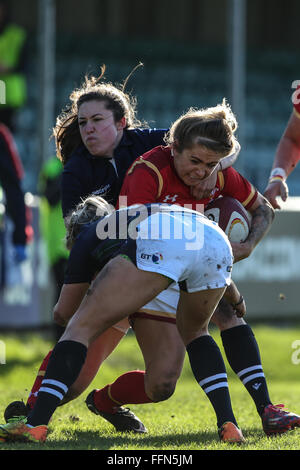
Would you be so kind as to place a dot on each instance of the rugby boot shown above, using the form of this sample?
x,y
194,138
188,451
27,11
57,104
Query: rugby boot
x,y
122,419
230,433
16,409
18,431
277,420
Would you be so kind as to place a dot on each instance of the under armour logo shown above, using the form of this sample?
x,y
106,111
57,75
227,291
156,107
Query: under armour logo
x,y
170,198
256,385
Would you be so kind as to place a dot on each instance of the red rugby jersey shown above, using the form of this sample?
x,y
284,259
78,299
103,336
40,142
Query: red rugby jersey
x,y
152,178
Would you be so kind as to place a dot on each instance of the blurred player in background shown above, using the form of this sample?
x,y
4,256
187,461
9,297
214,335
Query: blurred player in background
x,y
12,97
11,174
287,156
12,63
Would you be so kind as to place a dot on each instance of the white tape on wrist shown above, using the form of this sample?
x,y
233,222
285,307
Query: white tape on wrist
x,y
278,172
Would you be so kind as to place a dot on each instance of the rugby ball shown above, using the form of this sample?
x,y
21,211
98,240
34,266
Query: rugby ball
x,y
231,216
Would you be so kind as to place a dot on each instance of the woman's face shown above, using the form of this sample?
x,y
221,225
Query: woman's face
x,y
194,164
98,129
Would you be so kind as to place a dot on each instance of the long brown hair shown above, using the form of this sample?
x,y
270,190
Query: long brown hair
x,y
66,131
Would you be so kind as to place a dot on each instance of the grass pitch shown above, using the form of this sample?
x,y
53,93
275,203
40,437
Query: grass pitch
x,y
185,422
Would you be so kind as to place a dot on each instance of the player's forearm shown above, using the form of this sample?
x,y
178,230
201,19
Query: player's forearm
x,y
287,155
288,151
262,218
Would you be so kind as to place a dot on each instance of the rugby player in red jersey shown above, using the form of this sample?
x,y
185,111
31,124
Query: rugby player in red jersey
x,y
166,175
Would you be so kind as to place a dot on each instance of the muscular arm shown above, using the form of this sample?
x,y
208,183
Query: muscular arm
x,y
288,151
287,156
262,217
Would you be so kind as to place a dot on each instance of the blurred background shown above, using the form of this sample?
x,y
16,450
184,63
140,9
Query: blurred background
x,y
194,53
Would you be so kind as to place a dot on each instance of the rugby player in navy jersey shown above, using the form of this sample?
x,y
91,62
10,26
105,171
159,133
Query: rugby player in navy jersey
x,y
121,252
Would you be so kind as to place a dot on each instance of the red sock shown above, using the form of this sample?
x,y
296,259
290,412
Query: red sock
x,y
37,383
128,388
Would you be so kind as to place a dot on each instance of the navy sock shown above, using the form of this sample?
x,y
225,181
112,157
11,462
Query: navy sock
x,y
209,370
64,366
243,355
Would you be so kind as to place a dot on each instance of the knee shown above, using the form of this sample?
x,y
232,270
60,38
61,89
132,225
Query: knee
x,y
225,317
160,390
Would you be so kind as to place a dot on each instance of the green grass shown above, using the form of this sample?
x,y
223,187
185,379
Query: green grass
x,y
184,422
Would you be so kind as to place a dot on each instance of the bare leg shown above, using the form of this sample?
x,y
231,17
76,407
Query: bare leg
x,y
194,312
119,289
163,352
224,316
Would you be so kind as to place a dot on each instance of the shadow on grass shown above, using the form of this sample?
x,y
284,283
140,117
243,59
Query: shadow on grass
x,y
89,440
116,443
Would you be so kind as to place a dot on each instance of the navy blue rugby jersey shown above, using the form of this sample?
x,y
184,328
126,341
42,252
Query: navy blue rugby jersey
x,y
85,174
97,244
101,240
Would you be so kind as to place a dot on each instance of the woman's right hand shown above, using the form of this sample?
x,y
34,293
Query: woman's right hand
x,y
274,189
